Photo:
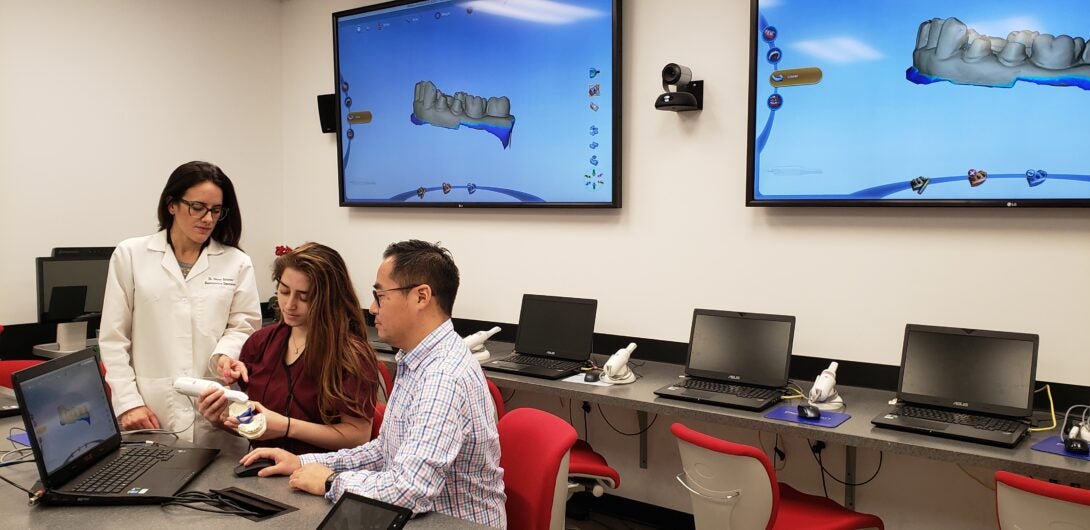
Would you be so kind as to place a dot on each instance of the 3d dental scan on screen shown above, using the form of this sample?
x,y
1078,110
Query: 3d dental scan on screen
x,y
479,103
930,102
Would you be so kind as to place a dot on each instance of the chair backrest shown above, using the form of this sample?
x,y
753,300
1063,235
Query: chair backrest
x,y
10,367
1023,502
714,469
387,380
534,448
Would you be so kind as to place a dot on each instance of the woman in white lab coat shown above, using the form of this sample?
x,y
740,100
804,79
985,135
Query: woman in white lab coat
x,y
180,302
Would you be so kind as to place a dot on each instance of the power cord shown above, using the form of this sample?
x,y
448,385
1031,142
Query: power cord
x,y
974,477
818,446
1051,408
618,431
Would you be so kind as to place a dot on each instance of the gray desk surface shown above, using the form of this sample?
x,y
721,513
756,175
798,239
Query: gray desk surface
x,y
862,404
311,509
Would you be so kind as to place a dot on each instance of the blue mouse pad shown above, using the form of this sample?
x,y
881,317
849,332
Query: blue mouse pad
x,y
791,413
1055,445
22,439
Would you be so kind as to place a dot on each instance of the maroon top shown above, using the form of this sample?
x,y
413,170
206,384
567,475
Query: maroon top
x,y
272,382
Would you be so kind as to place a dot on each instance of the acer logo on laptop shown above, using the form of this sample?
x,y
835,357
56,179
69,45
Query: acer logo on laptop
x,y
961,404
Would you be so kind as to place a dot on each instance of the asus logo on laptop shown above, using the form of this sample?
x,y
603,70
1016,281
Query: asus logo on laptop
x,y
550,352
734,377
961,403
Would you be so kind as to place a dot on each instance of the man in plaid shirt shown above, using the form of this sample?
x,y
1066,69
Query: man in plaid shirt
x,y
438,449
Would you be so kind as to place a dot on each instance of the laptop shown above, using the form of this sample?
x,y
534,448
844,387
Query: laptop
x,y
554,338
77,445
966,384
738,360
8,405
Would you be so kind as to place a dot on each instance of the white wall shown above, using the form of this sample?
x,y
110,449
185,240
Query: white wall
x,y
100,101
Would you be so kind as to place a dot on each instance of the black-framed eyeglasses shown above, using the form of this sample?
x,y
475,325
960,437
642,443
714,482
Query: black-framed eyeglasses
x,y
197,210
378,300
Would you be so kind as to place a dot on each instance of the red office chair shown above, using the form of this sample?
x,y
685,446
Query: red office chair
x,y
1023,502
534,449
734,486
10,367
589,471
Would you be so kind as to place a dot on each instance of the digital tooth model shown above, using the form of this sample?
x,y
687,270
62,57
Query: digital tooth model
x,y
75,413
948,50
433,107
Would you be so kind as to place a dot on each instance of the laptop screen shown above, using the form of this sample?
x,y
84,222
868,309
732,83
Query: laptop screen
x,y
980,371
66,411
556,326
741,347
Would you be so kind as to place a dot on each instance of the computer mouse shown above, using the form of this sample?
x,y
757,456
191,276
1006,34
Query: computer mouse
x,y
252,469
1076,446
592,377
809,412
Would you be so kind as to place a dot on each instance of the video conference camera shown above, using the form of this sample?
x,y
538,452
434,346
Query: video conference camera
x,y
687,94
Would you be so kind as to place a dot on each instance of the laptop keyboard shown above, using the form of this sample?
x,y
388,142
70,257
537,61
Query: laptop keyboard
x,y
544,362
986,423
727,388
117,474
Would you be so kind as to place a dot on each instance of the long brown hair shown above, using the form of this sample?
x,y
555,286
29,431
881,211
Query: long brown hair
x,y
337,346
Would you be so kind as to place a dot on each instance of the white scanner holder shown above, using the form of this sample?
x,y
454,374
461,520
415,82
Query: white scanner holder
x,y
823,394
476,343
616,370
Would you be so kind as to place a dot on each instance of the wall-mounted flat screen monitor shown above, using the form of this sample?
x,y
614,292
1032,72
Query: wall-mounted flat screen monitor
x,y
71,287
486,103
928,102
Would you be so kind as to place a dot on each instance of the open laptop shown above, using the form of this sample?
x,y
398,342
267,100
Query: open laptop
x,y
967,384
738,360
77,445
554,337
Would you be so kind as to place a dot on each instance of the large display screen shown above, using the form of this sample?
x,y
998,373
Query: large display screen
x,y
929,102
479,103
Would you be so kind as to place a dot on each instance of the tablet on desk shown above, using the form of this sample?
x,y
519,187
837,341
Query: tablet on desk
x,y
361,513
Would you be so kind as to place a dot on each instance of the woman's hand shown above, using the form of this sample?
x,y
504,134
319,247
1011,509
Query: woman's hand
x,y
231,370
138,418
276,424
212,404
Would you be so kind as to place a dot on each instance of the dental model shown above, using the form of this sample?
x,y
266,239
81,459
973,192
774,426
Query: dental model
x,y
948,50
432,106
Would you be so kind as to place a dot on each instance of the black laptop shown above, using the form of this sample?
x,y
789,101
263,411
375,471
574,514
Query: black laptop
x,y
554,337
967,384
738,360
77,445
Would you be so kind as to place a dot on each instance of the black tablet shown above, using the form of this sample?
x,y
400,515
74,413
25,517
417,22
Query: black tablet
x,y
356,512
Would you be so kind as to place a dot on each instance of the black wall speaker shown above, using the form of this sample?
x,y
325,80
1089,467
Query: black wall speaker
x,y
327,112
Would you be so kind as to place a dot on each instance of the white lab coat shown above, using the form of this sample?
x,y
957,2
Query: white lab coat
x,y
158,325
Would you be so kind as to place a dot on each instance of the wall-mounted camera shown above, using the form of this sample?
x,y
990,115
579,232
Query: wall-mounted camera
x,y
686,95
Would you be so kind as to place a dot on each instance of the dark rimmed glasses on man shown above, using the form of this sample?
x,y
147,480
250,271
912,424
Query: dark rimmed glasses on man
x,y
378,300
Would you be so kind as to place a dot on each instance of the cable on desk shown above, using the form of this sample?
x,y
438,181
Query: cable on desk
x,y
637,433
220,504
1051,408
5,479
507,399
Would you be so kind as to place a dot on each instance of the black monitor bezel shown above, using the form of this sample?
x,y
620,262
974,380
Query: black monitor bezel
x,y
40,283
751,134
955,404
737,378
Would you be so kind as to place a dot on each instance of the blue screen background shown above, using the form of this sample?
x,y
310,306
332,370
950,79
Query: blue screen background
x,y
544,69
865,131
